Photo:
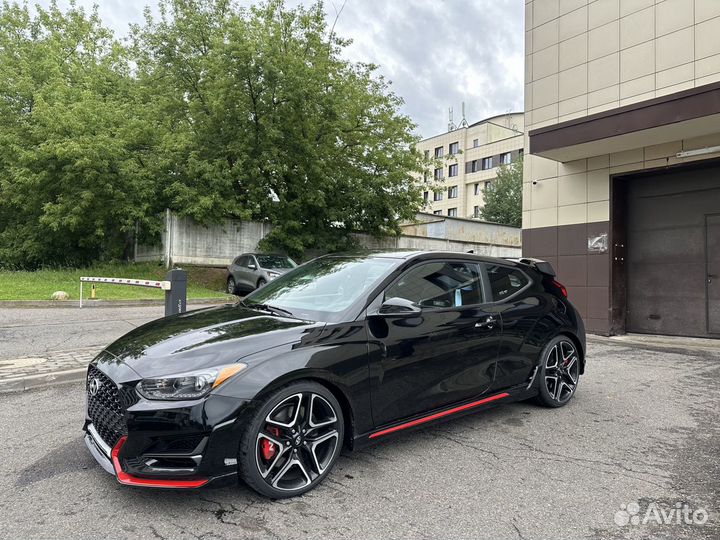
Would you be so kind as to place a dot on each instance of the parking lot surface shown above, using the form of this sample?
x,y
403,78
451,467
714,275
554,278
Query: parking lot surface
x,y
26,332
642,432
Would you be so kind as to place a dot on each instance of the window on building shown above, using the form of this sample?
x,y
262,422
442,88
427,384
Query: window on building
x,y
426,176
453,170
476,211
475,165
426,194
452,212
453,192
488,185
439,174
520,153
437,196
476,189
476,143
505,281
427,154
437,212
505,158
454,148
439,152
487,163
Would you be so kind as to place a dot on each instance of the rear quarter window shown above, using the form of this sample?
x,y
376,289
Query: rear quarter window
x,y
505,281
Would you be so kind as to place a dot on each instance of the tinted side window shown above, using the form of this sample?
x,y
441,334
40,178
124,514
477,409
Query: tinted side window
x,y
440,284
237,261
243,261
505,281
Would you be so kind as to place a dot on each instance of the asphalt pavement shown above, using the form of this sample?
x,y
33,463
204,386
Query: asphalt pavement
x,y
639,441
38,332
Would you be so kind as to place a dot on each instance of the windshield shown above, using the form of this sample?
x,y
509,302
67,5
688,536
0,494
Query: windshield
x,y
275,261
323,288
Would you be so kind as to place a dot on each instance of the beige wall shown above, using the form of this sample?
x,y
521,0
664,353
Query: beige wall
x,y
495,136
585,57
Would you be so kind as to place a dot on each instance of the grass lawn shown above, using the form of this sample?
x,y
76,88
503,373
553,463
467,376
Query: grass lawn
x,y
39,285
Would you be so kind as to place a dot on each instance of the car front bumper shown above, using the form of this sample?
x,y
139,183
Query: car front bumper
x,y
173,444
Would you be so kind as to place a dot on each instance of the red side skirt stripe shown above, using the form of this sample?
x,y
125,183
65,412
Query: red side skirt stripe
x,y
125,478
435,416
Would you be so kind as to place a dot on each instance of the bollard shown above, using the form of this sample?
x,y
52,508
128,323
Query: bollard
x,y
176,297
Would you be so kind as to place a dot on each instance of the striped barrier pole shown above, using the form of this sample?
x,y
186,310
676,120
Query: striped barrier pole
x,y
175,287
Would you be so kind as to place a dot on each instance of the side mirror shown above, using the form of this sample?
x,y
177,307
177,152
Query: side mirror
x,y
399,306
251,266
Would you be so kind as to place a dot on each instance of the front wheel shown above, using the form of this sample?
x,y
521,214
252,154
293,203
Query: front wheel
x,y
559,372
293,441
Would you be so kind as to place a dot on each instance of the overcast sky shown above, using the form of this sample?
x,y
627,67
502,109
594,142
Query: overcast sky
x,y
437,53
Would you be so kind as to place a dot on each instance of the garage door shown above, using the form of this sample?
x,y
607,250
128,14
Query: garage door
x,y
673,253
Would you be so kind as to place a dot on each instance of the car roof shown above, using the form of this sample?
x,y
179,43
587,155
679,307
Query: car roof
x,y
422,255
260,253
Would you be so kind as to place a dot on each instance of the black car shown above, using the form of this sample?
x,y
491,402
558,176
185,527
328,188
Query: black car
x,y
337,353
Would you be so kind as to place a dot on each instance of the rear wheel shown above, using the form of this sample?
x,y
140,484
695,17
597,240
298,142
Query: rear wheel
x,y
293,441
559,372
231,285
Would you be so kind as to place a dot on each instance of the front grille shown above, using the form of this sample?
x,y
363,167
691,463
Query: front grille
x,y
106,408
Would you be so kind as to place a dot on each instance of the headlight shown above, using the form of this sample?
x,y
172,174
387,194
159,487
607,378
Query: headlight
x,y
273,275
192,385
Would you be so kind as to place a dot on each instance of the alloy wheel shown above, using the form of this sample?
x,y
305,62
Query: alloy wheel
x,y
562,371
297,441
231,286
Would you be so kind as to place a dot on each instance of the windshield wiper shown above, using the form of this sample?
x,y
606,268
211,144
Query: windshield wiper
x,y
267,307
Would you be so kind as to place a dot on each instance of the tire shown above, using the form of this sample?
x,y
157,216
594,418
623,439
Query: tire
x,y
231,285
559,373
292,441
261,283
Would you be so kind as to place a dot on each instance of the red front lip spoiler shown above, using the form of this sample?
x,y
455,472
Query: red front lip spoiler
x,y
128,479
435,416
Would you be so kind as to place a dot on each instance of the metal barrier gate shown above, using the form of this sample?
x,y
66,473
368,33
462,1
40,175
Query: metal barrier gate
x,y
174,285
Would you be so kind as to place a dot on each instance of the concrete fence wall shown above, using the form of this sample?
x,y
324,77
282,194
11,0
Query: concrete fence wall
x,y
425,243
186,242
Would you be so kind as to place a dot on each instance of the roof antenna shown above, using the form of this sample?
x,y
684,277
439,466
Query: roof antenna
x,y
463,122
451,125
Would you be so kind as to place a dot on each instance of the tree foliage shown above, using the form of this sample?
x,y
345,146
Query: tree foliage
x,y
72,140
503,199
210,110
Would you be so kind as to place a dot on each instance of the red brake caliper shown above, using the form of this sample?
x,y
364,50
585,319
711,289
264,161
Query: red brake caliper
x,y
269,448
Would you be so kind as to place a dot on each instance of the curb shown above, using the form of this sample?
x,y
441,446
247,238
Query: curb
x,y
106,303
30,382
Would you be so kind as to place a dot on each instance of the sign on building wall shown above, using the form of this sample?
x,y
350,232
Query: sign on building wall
x,y
598,244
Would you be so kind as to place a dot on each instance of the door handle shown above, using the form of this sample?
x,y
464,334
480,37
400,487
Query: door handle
x,y
488,322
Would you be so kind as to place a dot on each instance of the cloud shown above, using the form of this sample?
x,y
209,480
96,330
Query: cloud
x,y
436,53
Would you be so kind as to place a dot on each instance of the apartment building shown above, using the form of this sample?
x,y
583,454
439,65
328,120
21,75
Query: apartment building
x,y
469,157
622,174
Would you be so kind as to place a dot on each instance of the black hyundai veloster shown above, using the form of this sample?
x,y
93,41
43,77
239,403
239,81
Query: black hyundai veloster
x,y
337,353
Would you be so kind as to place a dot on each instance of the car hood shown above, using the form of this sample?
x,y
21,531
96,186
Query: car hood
x,y
201,339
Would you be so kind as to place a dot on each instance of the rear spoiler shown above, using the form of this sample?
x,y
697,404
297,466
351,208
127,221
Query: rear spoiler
x,y
541,266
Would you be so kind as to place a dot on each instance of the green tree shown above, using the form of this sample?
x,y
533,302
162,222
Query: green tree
x,y
262,118
73,140
503,199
